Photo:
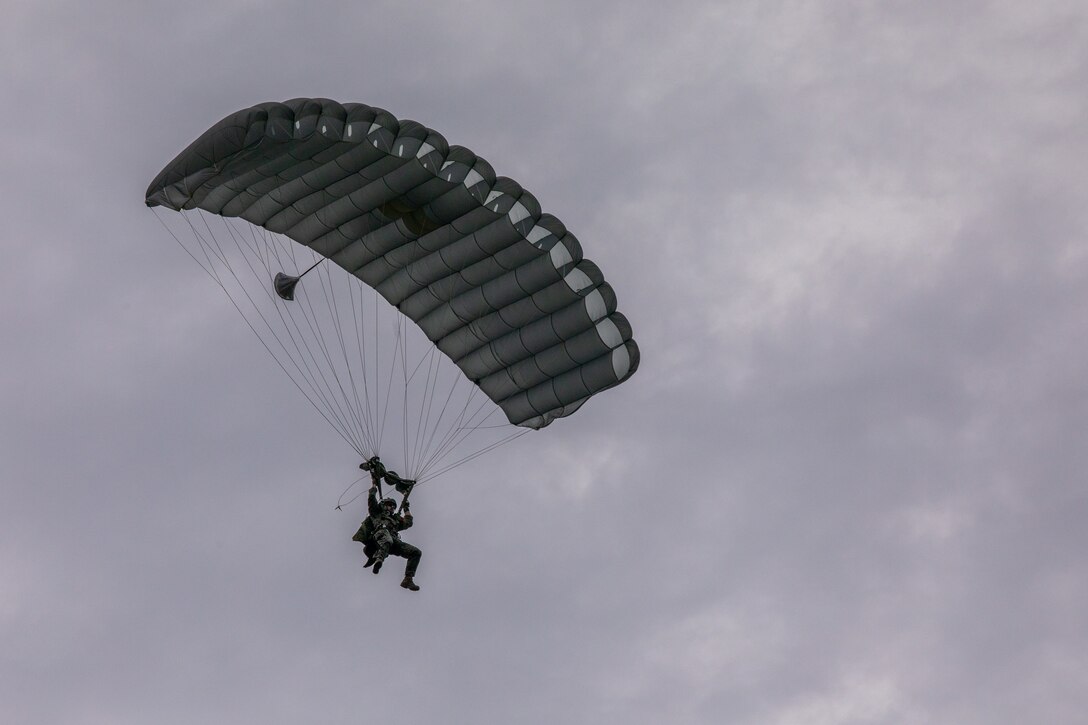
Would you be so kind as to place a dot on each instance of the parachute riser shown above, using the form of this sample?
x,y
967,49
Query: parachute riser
x,y
404,498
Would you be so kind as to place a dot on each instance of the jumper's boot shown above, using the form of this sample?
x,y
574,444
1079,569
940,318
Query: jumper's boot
x,y
407,583
379,559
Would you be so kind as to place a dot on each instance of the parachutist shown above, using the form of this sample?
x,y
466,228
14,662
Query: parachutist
x,y
380,531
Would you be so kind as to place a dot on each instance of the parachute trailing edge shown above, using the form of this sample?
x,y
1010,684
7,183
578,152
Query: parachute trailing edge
x,y
499,286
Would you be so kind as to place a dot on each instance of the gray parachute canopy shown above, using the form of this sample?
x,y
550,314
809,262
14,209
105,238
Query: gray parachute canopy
x,y
499,287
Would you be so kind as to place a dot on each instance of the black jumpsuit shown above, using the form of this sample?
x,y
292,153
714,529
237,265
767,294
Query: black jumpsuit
x,y
385,535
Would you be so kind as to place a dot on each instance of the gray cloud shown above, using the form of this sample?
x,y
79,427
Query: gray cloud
x,y
845,486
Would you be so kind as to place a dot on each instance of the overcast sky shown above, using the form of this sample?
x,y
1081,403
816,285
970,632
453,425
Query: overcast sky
x,y
847,484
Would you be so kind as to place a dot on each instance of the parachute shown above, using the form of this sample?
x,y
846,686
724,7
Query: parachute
x,y
489,280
